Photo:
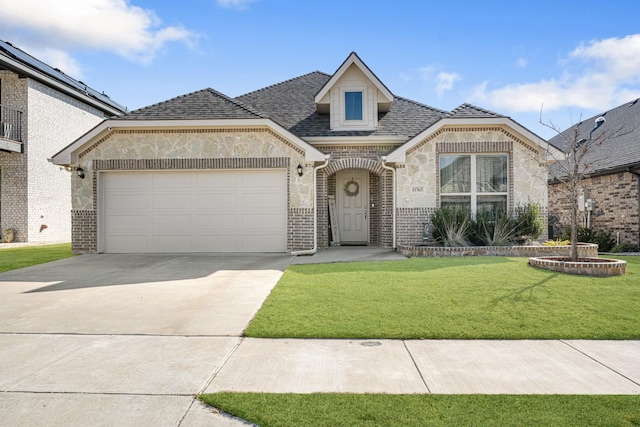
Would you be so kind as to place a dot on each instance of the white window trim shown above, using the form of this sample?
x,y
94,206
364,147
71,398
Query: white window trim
x,y
474,192
364,123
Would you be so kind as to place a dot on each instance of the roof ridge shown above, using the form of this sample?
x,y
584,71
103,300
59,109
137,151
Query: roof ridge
x,y
281,83
475,107
205,90
236,102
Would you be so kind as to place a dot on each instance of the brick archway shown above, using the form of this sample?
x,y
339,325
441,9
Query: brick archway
x,y
355,163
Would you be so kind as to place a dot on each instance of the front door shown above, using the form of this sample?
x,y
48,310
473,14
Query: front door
x,y
352,196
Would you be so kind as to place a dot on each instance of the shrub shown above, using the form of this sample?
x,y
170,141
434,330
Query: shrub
x,y
558,242
493,229
529,224
625,247
586,235
450,226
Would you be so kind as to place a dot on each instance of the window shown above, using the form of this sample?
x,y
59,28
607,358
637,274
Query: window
x,y
353,105
475,181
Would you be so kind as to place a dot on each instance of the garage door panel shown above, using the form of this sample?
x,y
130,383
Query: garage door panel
x,y
172,224
164,181
126,223
217,180
194,211
257,223
172,243
130,201
260,201
206,223
260,180
218,201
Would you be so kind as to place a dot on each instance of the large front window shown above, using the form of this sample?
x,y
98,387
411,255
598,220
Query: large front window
x,y
477,182
353,105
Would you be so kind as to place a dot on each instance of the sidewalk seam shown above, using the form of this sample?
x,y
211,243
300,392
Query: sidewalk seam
x,y
404,343
600,363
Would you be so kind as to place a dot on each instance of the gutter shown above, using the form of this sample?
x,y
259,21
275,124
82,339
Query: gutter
x,y
315,209
393,171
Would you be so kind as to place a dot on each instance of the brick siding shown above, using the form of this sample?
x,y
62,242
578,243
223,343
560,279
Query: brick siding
x,y
616,210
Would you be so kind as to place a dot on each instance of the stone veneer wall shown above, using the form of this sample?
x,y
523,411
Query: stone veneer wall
x,y
418,189
616,211
193,150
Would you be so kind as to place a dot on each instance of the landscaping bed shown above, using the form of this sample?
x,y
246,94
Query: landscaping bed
x,y
585,250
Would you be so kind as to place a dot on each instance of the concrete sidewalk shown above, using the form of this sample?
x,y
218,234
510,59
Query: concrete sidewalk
x,y
431,366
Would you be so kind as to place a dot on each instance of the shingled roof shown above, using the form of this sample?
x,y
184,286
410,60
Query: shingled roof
x,y
468,111
206,104
292,105
619,135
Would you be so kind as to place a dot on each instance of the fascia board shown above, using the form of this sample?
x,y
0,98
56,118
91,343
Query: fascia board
x,y
348,140
399,155
68,155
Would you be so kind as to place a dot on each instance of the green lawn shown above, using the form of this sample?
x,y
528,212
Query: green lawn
x,y
464,298
14,258
355,410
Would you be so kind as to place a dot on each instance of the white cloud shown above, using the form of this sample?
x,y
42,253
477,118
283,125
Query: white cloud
x,y
235,4
445,82
442,81
598,74
111,25
60,60
522,63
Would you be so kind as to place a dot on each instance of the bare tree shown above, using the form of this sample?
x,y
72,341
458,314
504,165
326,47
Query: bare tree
x,y
576,156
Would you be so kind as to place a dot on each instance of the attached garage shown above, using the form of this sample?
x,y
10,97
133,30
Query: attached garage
x,y
192,211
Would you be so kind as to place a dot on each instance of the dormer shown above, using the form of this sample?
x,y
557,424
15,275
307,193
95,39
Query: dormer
x,y
353,97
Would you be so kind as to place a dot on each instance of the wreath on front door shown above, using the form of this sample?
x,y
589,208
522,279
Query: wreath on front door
x,y
351,188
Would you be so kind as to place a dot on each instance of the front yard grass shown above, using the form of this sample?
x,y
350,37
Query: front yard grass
x,y
428,410
446,298
14,258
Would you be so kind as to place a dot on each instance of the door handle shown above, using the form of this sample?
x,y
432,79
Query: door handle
x,y
365,214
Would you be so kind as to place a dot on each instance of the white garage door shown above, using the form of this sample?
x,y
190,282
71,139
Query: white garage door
x,y
194,211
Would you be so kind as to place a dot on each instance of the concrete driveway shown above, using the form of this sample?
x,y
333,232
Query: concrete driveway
x,y
124,339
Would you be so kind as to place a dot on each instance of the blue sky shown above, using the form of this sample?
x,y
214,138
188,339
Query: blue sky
x,y
569,59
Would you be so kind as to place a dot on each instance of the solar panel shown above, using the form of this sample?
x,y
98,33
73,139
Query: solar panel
x,y
35,64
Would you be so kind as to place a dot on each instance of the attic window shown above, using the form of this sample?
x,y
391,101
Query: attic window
x,y
353,105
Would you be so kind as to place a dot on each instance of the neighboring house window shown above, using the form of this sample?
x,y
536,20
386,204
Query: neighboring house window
x,y
476,181
353,105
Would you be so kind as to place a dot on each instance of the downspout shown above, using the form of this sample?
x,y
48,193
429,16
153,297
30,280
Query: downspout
x,y
393,171
315,209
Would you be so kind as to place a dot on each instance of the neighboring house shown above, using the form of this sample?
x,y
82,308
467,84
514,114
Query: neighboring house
x,y
297,166
609,201
42,110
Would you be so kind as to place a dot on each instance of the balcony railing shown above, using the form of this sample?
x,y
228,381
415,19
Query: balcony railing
x,y
10,123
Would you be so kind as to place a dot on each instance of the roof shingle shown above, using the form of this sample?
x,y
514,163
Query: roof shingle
x,y
205,104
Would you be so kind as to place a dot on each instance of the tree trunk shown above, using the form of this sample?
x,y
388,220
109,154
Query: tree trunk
x,y
574,223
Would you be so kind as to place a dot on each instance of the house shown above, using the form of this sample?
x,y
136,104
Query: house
x,y
316,160
42,110
609,199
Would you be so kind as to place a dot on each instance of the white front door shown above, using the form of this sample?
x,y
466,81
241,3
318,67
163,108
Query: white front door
x,y
352,195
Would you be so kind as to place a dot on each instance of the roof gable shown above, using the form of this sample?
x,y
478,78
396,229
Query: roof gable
x,y
200,105
385,99
471,111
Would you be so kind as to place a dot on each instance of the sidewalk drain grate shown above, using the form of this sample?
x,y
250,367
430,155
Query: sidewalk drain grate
x,y
371,343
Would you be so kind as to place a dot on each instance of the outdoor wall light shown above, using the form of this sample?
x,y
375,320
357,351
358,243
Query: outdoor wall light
x,y
80,173
299,170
